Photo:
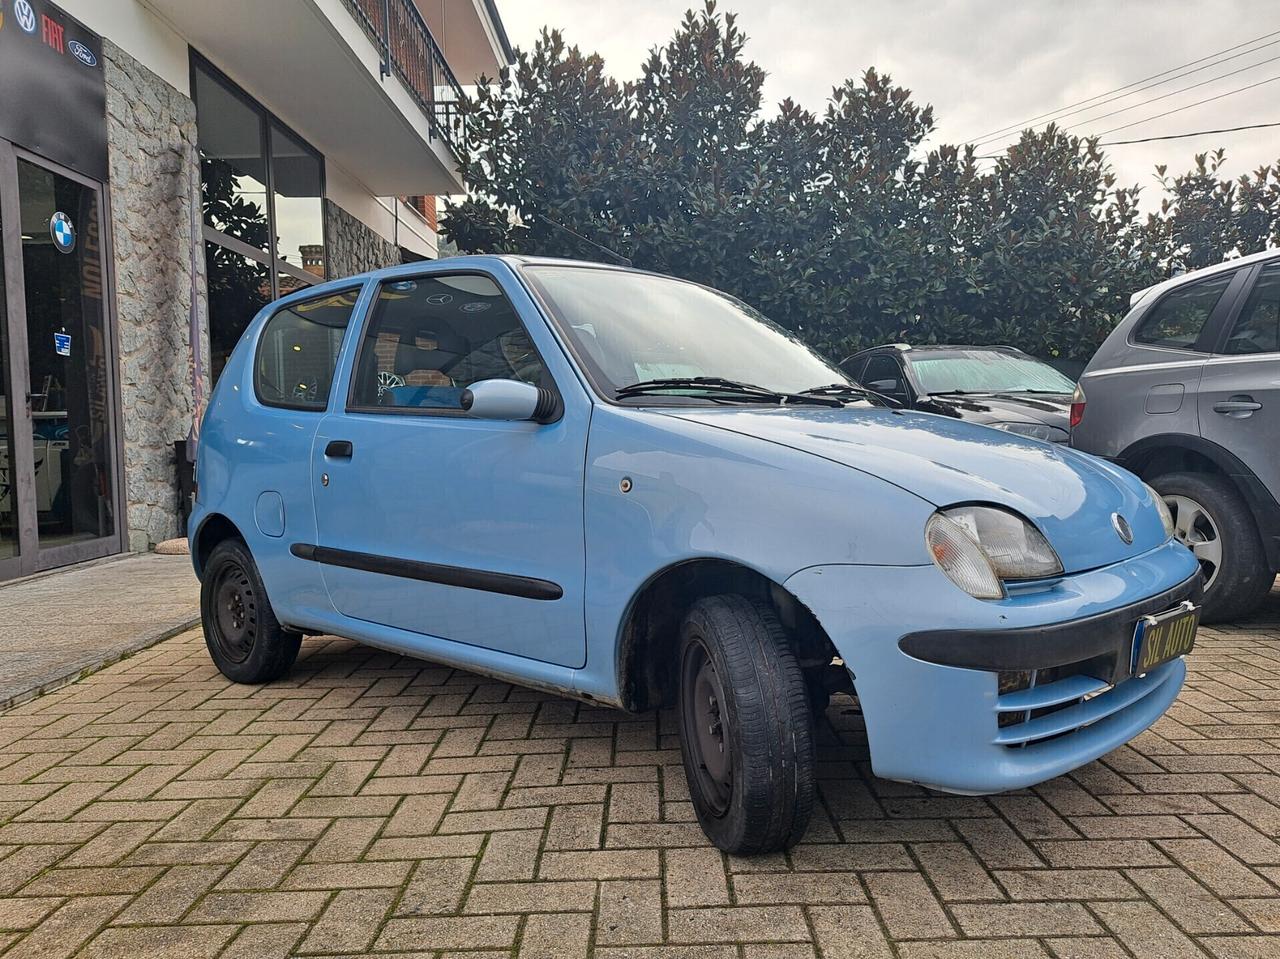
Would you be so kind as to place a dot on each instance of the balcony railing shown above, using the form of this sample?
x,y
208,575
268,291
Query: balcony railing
x,y
411,53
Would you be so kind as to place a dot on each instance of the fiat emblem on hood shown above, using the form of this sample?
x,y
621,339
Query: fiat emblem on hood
x,y
1122,528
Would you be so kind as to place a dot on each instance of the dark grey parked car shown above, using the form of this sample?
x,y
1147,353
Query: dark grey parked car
x,y
1185,392
996,386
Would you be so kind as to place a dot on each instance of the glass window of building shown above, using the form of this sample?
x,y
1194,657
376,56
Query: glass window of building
x,y
262,193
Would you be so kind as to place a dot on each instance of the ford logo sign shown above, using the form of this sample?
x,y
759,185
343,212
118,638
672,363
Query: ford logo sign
x,y
82,53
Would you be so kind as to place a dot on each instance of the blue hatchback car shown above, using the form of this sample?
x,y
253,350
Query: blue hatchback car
x,y
637,491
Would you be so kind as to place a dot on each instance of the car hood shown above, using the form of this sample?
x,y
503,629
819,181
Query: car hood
x,y
1071,496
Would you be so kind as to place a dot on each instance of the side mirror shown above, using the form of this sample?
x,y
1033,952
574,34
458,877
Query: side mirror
x,y
510,400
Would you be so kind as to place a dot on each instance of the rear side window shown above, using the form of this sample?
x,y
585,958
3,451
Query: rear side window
x,y
1176,321
298,352
1257,330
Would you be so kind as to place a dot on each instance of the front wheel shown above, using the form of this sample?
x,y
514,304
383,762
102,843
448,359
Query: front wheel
x,y
1212,519
746,729
245,640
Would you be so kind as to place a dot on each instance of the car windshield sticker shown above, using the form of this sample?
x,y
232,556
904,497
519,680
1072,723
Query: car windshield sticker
x,y
63,233
475,306
62,344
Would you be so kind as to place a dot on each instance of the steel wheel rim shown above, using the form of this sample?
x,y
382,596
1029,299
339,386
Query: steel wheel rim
x,y
235,613
705,726
1195,529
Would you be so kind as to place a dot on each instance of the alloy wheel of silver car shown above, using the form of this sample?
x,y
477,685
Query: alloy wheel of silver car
x,y
1195,529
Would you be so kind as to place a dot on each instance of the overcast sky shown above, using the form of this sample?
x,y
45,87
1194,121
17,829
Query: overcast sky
x,y
986,64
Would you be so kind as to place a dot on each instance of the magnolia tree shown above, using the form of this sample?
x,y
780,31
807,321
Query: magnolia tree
x,y
837,224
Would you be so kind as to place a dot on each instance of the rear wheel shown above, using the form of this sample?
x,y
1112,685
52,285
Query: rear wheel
x,y
746,730
1212,519
245,640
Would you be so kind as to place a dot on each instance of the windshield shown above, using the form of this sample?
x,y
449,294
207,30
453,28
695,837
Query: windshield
x,y
986,371
629,328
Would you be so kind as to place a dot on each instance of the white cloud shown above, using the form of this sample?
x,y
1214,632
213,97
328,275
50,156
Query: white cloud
x,y
983,64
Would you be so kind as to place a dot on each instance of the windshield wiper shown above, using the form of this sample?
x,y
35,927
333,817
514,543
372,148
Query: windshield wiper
x,y
722,387
848,389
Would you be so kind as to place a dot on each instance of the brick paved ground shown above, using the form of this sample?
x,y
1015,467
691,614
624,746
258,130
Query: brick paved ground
x,y
373,804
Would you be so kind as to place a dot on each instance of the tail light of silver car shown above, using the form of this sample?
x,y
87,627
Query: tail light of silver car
x,y
1077,406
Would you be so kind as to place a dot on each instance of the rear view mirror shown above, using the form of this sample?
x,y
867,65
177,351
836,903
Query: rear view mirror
x,y
510,400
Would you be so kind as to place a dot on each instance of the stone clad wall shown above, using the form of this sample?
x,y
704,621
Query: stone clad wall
x,y
151,134
351,247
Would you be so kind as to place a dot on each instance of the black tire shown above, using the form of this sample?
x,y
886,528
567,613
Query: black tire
x,y
1208,508
746,730
245,640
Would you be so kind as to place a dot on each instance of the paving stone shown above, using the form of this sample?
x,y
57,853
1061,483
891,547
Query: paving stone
x,y
320,816
908,906
629,912
560,936
350,921
738,924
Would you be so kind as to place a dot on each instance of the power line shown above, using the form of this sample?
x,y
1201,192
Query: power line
x,y
1152,86
986,137
1188,106
1170,136
1183,136
1165,96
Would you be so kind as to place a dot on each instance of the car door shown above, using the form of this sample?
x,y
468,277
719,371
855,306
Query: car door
x,y
1145,385
1239,397
436,522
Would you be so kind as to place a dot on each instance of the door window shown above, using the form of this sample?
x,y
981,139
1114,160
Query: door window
x,y
298,352
1257,330
430,338
1177,320
884,375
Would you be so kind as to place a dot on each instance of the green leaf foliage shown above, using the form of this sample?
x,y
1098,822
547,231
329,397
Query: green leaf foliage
x,y
838,225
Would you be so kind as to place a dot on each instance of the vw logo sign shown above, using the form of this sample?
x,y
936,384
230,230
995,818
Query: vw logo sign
x,y
63,233
1122,528
82,53
25,15
439,299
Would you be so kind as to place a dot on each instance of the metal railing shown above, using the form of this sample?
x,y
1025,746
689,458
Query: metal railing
x,y
411,53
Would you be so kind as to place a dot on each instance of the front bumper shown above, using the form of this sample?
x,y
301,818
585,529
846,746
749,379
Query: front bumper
x,y
927,660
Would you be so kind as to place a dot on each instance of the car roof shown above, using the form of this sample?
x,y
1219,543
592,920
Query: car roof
x,y
1224,266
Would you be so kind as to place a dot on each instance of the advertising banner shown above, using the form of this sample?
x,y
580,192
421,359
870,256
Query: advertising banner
x,y
52,94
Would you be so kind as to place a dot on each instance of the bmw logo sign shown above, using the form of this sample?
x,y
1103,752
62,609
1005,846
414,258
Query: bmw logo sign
x,y
63,233
475,306
82,53
1122,528
25,15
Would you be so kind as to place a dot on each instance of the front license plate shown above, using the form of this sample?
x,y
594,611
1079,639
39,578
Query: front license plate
x,y
1164,636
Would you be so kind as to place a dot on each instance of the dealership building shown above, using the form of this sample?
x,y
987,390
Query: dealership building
x,y
167,167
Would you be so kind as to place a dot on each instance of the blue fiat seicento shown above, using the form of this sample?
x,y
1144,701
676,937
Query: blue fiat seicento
x,y
638,491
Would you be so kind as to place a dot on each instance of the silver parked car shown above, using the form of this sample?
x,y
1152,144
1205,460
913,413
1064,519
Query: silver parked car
x,y
1185,392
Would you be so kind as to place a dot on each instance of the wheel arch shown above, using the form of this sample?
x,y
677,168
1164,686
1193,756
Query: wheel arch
x,y
649,631
1177,452
214,529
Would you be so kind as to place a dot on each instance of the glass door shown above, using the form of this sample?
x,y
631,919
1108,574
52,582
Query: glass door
x,y
62,496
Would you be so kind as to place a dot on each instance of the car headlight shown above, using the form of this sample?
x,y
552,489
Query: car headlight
x,y
979,547
1166,517
1037,431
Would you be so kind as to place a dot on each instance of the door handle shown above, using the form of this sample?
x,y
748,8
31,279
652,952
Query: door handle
x,y
1238,407
339,449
